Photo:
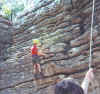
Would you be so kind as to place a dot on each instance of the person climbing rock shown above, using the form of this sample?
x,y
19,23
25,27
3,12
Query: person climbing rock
x,y
36,56
71,86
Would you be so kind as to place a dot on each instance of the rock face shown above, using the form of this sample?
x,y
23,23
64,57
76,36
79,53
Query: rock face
x,y
64,30
5,37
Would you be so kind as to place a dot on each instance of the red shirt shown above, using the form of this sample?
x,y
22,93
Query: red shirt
x,y
34,50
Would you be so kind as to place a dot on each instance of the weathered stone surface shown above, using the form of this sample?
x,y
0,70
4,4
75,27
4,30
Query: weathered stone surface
x,y
5,37
64,30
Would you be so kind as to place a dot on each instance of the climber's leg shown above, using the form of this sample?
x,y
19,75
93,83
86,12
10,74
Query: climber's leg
x,y
33,63
36,65
37,68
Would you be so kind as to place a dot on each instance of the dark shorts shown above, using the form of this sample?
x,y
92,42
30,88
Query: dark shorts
x,y
35,59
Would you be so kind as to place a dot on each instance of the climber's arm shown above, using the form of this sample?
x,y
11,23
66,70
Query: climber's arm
x,y
41,53
85,85
87,80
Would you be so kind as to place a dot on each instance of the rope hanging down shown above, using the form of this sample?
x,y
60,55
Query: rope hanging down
x,y
91,36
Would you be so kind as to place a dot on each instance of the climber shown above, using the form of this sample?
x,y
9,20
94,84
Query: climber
x,y
70,86
36,56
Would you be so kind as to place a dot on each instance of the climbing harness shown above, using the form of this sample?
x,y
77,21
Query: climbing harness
x,y
91,36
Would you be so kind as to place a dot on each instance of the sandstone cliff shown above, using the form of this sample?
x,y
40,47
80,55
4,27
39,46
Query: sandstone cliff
x,y
63,29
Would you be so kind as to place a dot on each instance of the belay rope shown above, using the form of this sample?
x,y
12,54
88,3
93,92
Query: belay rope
x,y
91,36
95,83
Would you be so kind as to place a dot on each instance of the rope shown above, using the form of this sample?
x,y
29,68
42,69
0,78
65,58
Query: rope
x,y
91,36
96,91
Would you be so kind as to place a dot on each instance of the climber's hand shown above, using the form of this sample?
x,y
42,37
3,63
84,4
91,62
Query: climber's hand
x,y
90,75
40,53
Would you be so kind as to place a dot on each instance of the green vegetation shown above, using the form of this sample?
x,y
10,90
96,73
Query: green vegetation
x,y
12,8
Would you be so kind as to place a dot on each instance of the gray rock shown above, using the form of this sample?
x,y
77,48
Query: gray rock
x,y
57,47
5,39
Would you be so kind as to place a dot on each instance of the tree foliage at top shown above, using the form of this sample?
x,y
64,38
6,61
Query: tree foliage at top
x,y
12,8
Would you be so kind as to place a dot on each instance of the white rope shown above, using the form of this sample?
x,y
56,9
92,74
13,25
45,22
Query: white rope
x,y
91,36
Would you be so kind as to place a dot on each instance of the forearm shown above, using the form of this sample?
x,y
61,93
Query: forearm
x,y
85,85
40,53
